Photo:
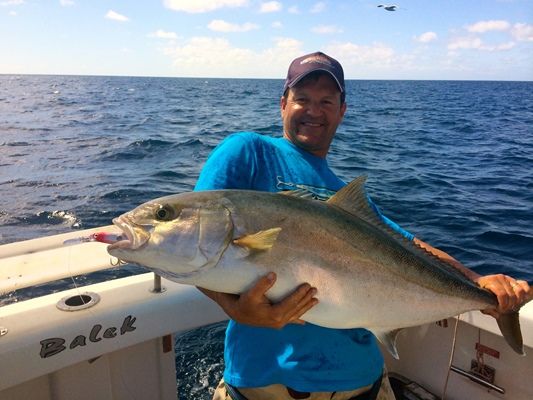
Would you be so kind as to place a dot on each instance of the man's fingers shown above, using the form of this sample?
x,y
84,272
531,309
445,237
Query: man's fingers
x,y
506,296
304,307
305,304
298,322
255,308
523,291
518,292
297,304
293,301
510,293
492,312
262,286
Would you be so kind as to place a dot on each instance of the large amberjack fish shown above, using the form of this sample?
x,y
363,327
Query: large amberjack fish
x,y
367,275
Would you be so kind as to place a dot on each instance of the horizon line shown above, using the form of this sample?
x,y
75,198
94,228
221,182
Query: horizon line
x,y
248,78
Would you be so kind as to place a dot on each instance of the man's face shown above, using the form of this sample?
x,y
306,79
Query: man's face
x,y
311,112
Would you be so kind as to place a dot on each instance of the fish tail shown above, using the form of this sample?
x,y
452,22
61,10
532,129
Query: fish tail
x,y
510,328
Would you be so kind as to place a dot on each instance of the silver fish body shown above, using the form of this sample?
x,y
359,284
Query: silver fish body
x,y
366,275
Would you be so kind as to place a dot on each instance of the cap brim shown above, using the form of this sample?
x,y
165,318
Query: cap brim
x,y
301,76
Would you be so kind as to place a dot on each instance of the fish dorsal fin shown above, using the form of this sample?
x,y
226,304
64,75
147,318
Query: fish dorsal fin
x,y
352,198
262,240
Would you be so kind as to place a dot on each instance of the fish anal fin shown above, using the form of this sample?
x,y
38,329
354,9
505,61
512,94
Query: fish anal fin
x,y
262,240
509,325
388,340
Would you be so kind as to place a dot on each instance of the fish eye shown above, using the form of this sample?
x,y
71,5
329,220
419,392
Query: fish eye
x,y
164,213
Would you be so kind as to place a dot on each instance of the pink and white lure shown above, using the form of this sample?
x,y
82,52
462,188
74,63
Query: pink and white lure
x,y
102,237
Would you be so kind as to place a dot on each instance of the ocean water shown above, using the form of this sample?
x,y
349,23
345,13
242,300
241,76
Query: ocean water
x,y
450,161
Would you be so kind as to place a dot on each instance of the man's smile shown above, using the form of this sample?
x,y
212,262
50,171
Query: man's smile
x,y
312,124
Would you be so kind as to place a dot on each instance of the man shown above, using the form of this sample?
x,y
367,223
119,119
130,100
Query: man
x,y
269,352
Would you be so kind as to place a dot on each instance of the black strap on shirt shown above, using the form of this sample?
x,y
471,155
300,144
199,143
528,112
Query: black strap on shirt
x,y
234,393
370,394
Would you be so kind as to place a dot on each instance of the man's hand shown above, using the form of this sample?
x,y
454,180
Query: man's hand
x,y
253,307
511,293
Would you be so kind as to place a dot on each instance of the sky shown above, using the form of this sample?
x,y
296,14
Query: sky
x,y
422,39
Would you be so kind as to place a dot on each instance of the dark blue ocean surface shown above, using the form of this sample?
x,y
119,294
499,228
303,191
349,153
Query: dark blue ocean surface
x,y
451,162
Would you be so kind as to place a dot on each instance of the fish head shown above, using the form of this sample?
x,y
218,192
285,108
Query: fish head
x,y
176,235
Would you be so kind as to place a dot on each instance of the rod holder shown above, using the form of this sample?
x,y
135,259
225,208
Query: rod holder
x,y
157,284
477,379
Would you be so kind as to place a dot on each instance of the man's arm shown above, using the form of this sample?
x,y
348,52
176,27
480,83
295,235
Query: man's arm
x,y
511,293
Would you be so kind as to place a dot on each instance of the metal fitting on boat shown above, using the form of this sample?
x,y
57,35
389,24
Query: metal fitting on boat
x,y
158,288
78,302
3,331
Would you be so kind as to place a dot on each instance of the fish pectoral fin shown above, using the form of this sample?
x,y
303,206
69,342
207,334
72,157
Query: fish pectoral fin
x,y
509,325
262,240
388,340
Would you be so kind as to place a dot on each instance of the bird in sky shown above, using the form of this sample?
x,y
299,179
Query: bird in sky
x,y
388,8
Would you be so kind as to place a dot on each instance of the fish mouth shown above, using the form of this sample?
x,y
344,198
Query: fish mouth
x,y
135,235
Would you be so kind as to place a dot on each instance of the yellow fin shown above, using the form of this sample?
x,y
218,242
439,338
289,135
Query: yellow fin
x,y
262,240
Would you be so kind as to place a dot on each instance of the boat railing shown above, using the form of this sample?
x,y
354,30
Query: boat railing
x,y
21,263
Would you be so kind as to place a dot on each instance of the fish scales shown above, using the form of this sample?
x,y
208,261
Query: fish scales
x,y
343,250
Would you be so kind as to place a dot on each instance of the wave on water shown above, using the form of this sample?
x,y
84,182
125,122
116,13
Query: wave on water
x,y
144,148
58,217
15,144
169,174
199,361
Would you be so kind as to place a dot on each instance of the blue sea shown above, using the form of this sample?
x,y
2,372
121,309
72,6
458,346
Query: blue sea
x,y
451,161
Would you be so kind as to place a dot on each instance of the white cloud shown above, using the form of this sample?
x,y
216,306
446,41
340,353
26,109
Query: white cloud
x,y
116,16
66,3
277,25
161,34
270,6
216,57
219,25
518,32
326,29
500,47
202,6
318,7
204,56
13,13
377,55
465,43
11,3
522,32
486,26
293,10
288,44
426,37
474,43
